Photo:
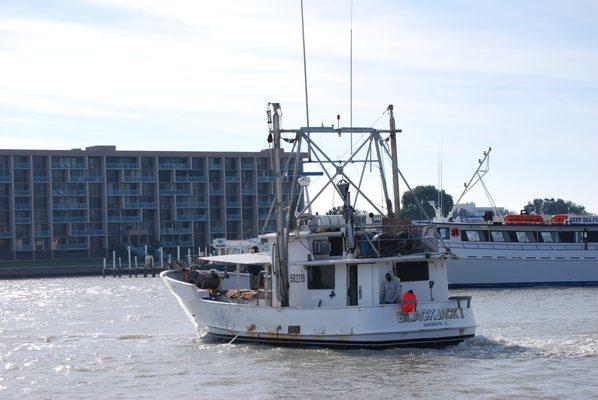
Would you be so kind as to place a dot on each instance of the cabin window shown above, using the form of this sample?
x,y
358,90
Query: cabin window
x,y
526,237
475,236
548,237
567,237
336,245
320,277
412,271
498,236
443,233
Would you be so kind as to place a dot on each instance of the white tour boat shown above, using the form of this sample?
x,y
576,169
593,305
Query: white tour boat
x,y
524,250
515,250
323,278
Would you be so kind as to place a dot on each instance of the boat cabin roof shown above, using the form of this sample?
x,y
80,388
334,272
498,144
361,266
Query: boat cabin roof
x,y
380,260
243,258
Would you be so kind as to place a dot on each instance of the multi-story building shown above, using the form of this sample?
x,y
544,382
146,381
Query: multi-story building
x,y
82,203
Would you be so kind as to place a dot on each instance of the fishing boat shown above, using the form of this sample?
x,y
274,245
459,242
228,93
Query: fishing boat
x,y
326,280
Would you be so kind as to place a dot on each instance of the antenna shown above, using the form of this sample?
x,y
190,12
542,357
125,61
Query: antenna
x,y
305,80
351,76
441,182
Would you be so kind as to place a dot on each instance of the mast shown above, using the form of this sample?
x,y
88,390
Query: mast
x,y
395,163
281,242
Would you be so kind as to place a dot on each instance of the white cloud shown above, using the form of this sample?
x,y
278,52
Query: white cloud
x,y
197,70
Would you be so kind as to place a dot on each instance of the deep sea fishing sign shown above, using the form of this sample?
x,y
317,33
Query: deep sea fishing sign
x,y
432,315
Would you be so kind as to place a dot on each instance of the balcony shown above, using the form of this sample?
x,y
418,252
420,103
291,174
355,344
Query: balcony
x,y
264,203
23,206
173,165
21,192
84,179
69,206
171,191
21,165
5,178
265,178
22,220
195,217
73,218
123,192
62,192
214,165
191,204
6,235
194,178
217,229
214,191
139,179
231,178
87,232
72,246
124,218
176,231
233,216
175,243
40,234
245,165
140,204
62,165
41,178
121,165
248,191
24,247
233,203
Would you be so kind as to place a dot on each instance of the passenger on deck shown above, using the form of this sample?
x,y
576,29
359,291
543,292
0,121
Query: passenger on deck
x,y
390,291
254,271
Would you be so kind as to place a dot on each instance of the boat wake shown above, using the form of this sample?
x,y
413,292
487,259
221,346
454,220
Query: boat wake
x,y
483,346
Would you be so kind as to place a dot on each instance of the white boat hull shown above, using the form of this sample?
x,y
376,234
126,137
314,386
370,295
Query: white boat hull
x,y
486,271
434,323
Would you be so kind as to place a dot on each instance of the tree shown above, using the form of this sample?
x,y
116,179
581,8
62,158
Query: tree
x,y
425,194
551,207
336,210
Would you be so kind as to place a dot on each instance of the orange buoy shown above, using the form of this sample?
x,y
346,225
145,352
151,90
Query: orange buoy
x,y
409,302
559,218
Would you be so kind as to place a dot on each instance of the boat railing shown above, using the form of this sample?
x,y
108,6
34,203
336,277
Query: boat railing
x,y
391,240
524,246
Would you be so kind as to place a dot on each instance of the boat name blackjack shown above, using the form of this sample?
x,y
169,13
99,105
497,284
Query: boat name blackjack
x,y
435,314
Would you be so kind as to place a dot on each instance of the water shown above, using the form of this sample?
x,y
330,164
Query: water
x,y
97,338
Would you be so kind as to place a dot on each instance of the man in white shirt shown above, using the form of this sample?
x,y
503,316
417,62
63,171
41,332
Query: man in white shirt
x,y
390,291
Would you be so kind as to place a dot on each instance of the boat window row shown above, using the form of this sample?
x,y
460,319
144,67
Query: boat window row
x,y
322,277
526,236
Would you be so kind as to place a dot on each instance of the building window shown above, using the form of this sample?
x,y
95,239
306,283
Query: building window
x,y
320,277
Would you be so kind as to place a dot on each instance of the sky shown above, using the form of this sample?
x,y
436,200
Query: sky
x,y
520,77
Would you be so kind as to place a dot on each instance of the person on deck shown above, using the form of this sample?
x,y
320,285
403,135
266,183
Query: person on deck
x,y
254,271
390,291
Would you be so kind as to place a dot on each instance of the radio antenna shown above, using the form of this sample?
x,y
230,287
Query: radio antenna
x,y
351,75
305,81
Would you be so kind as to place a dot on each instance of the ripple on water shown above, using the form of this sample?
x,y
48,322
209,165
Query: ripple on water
x,y
59,335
